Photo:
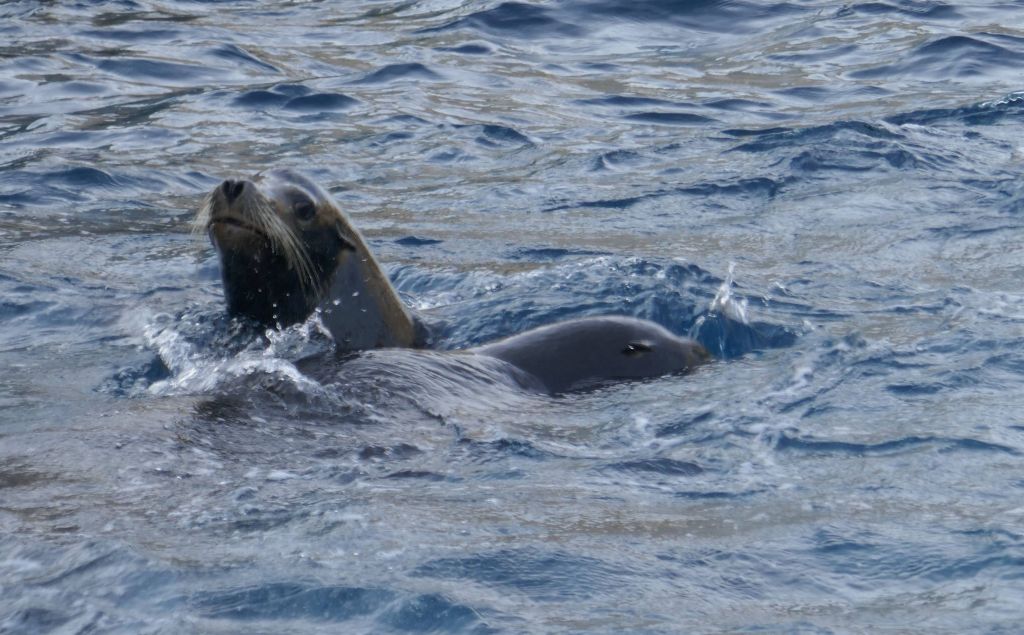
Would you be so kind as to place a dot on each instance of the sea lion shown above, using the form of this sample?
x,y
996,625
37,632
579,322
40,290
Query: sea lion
x,y
584,352
287,250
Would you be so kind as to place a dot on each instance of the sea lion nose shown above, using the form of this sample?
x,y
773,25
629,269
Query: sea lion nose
x,y
232,189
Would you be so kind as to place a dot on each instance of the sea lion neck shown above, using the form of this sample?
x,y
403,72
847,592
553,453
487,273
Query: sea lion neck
x,y
361,308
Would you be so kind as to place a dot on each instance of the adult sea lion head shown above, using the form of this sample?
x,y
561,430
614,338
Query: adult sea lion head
x,y
286,249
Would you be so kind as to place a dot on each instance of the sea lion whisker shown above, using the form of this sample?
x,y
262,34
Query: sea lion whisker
x,y
284,240
291,247
202,219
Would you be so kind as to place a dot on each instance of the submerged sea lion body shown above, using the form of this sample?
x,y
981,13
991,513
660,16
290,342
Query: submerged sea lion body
x,y
286,250
580,353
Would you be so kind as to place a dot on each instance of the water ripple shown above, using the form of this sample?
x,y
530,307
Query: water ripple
x,y
827,196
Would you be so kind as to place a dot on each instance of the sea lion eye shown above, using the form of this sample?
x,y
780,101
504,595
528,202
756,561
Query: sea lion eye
x,y
636,348
304,210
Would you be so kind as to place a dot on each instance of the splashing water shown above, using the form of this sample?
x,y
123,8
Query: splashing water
x,y
726,302
202,366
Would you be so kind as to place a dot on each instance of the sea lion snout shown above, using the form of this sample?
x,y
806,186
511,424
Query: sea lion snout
x,y
232,189
233,212
237,199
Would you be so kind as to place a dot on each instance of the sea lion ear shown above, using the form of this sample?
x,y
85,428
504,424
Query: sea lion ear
x,y
343,238
634,349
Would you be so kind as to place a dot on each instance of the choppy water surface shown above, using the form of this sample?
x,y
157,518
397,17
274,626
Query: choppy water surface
x,y
829,197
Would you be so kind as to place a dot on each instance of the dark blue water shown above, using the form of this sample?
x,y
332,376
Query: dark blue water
x,y
829,197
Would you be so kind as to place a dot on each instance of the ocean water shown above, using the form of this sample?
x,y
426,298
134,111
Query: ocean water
x,y
828,196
